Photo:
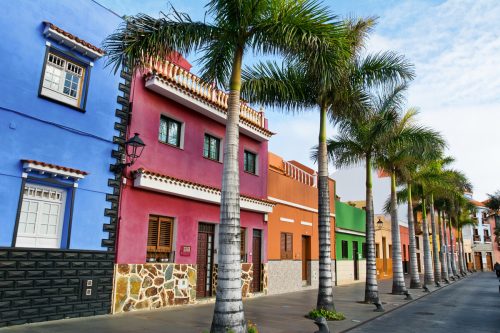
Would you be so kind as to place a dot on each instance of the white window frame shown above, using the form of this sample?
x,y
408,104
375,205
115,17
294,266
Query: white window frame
x,y
220,147
183,126
38,239
54,61
256,162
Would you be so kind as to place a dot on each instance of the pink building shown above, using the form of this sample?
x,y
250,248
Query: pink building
x,y
169,212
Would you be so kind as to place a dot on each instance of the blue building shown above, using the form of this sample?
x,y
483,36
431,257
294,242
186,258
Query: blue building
x,y
62,116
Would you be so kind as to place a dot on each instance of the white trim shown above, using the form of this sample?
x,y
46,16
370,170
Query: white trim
x,y
167,89
195,192
350,232
284,219
73,44
309,224
288,203
55,172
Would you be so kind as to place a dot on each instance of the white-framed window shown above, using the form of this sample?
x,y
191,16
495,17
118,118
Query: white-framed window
x,y
41,218
171,131
250,162
63,80
212,147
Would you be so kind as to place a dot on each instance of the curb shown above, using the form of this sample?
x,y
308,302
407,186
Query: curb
x,y
403,305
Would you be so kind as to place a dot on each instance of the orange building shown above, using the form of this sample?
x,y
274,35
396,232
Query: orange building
x,y
293,226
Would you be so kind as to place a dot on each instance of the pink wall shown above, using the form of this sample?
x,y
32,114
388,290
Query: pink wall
x,y
188,163
132,233
405,241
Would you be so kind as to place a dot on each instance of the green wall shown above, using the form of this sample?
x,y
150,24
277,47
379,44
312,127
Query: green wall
x,y
339,237
348,217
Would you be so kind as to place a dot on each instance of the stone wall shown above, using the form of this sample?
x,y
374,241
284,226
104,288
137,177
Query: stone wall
x,y
152,286
286,276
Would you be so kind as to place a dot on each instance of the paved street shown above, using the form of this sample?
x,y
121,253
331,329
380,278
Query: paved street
x,y
473,300
471,305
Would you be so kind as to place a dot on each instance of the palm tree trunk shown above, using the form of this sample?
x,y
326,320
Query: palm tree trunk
x,y
228,311
415,277
464,255
448,256
325,290
428,276
435,250
371,286
452,250
442,252
461,253
398,278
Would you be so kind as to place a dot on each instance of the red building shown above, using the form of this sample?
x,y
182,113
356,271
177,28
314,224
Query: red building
x,y
170,204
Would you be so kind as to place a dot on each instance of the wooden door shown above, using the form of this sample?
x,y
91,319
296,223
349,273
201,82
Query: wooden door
x,y
478,260
489,261
418,263
384,254
256,260
205,260
306,257
355,257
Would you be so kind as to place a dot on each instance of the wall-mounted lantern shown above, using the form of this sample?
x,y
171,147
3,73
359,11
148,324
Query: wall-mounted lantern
x,y
133,150
380,224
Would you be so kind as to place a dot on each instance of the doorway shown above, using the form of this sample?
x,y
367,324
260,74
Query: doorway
x,y
306,257
355,258
478,260
257,260
384,255
205,260
489,261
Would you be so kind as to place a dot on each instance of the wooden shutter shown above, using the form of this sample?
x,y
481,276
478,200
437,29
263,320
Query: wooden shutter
x,y
160,234
153,233
289,246
165,234
283,246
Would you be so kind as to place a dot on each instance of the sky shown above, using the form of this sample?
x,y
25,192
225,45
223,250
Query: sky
x,y
455,47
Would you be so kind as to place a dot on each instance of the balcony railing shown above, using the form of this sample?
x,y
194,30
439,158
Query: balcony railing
x,y
477,238
207,91
487,239
300,175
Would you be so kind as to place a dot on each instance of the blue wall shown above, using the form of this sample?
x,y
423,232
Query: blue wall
x,y
39,129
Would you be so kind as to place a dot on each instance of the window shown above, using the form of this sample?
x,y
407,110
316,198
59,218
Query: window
x,y
170,131
211,148
243,248
41,218
250,164
390,251
345,250
160,234
417,242
286,245
364,250
377,250
63,80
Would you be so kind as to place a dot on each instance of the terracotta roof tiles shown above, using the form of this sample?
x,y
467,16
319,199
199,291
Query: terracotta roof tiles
x,y
73,37
49,165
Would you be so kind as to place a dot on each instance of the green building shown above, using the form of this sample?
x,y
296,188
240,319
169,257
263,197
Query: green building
x,y
350,243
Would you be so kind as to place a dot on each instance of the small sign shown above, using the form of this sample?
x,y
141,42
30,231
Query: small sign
x,y
186,250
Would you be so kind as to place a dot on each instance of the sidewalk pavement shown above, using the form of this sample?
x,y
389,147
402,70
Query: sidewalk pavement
x,y
273,314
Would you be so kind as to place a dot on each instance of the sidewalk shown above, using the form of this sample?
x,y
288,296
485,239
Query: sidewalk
x,y
272,314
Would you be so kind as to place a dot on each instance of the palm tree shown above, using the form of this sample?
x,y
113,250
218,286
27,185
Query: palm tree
x,y
334,89
408,143
493,203
361,139
276,27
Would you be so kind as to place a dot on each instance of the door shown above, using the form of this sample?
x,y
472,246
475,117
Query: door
x,y
355,258
256,260
418,263
306,257
478,260
205,260
489,261
41,218
384,255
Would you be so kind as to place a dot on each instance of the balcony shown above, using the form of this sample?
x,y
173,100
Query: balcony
x,y
477,239
487,239
300,175
418,228
174,82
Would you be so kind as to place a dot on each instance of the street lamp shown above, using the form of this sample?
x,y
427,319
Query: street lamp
x,y
133,150
380,224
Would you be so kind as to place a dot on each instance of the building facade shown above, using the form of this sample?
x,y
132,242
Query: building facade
x,y
481,235
170,205
293,249
350,240
57,193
